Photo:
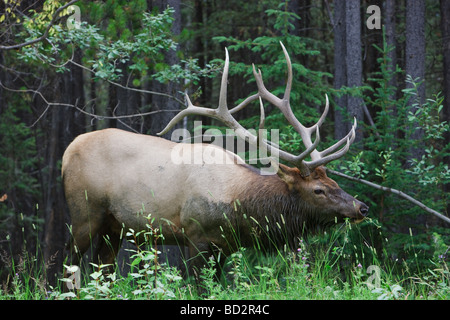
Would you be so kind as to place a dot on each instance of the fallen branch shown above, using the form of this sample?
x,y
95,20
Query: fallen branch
x,y
395,191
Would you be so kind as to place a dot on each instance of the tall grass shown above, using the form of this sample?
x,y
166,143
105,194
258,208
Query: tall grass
x,y
330,266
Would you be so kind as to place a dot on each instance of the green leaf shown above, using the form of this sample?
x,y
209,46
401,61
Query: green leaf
x,y
136,261
67,295
96,275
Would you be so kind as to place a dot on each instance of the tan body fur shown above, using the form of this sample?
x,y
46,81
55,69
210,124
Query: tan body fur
x,y
114,179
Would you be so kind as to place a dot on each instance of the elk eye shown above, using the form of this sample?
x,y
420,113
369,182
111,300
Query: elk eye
x,y
318,191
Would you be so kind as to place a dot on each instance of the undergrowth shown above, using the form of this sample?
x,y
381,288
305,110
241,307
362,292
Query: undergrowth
x,y
330,266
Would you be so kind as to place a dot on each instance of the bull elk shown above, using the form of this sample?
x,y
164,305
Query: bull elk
x,y
113,179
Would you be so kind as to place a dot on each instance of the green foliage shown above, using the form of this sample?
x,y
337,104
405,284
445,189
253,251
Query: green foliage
x,y
430,169
119,39
39,21
187,70
308,87
387,160
111,52
19,181
132,42
330,267
18,155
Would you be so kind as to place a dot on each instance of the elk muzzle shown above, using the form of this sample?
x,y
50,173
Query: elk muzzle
x,y
361,210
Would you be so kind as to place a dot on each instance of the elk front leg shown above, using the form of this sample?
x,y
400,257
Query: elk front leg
x,y
205,255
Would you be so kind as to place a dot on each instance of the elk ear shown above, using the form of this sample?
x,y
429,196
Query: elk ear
x,y
287,175
319,173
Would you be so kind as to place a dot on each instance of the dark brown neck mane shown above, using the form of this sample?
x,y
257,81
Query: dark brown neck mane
x,y
269,212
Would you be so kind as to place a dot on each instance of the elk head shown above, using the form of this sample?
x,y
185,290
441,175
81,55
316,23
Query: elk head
x,y
308,177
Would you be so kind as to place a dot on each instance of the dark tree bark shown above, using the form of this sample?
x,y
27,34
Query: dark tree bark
x,y
159,120
340,75
199,47
415,58
74,120
299,7
370,36
391,41
53,236
348,63
390,27
128,103
64,125
354,59
445,26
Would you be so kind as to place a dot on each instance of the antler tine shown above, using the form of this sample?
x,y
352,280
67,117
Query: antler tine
x,y
262,91
318,124
221,113
263,115
224,84
350,136
330,153
287,92
284,106
262,142
317,157
295,160
191,109
321,161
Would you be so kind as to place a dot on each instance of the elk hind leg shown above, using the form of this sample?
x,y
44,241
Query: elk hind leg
x,y
109,242
81,239
88,221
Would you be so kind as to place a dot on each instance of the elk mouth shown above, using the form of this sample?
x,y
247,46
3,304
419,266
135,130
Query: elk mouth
x,y
363,211
356,216
353,220
357,220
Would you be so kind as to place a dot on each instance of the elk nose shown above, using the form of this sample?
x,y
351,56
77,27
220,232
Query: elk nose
x,y
364,210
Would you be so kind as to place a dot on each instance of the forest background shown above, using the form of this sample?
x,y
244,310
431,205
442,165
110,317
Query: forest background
x,y
126,64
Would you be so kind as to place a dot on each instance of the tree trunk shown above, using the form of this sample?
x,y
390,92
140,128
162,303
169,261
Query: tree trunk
x,y
54,217
391,41
353,60
389,23
348,64
65,124
340,75
445,25
415,60
160,103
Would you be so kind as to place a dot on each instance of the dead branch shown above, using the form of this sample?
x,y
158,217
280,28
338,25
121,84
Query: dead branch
x,y
394,191
82,110
127,87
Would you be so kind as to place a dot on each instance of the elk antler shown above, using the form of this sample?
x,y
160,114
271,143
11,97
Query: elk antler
x,y
318,158
223,114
